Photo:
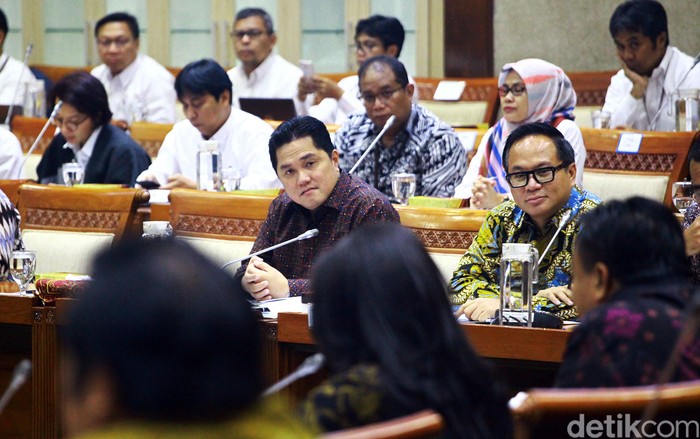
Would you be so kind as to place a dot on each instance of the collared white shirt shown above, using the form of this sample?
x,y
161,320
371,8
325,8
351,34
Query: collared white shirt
x,y
243,140
275,77
82,155
11,156
656,110
143,91
13,79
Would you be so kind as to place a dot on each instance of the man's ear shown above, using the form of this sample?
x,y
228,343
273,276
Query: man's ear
x,y
392,50
604,284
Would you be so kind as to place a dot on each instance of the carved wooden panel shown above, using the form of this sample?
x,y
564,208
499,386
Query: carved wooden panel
x,y
218,226
630,162
62,218
448,239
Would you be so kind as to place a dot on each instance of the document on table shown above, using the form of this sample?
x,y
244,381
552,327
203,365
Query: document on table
x,y
270,308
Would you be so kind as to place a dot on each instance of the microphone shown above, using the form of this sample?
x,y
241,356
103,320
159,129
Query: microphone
x,y
19,377
306,235
57,107
27,54
310,366
562,222
388,124
652,124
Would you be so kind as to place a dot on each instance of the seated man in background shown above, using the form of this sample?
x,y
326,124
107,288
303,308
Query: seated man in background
x,y
417,142
641,94
691,224
205,92
632,287
106,153
260,72
541,172
317,195
157,347
375,35
10,234
13,75
11,156
139,88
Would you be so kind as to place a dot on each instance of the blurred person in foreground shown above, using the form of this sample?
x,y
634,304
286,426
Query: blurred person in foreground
x,y
106,153
632,287
394,348
157,347
691,224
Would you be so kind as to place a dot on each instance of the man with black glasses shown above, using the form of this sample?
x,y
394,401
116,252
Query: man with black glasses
x,y
417,142
546,204
260,73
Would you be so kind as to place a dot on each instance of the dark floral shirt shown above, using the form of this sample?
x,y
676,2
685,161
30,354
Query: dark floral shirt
x,y
690,215
627,340
351,204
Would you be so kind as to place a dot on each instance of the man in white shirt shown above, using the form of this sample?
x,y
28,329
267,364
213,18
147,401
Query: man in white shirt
x,y
260,72
11,156
375,35
13,74
139,89
641,94
204,90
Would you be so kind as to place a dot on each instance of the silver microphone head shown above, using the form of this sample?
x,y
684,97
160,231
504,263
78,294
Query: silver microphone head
x,y
308,234
390,121
22,371
564,219
57,107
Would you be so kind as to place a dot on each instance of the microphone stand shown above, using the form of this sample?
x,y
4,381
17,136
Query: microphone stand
x,y
310,366
306,235
387,125
27,54
19,377
58,106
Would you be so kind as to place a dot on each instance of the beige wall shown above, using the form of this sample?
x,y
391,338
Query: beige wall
x,y
574,33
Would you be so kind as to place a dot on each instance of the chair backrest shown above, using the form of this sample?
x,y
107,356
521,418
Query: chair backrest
x,y
478,104
150,135
27,129
67,226
11,189
565,413
423,424
661,160
221,225
55,73
590,88
446,233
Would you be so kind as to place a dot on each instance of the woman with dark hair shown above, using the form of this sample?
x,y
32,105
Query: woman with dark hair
x,y
106,153
383,319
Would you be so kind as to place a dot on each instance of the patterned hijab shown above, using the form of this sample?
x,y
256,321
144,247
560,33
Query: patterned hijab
x,y
550,98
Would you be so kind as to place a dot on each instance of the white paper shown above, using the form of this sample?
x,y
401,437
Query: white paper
x,y
629,143
449,90
270,308
159,196
467,138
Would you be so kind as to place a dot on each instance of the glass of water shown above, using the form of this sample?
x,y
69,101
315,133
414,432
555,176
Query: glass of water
x,y
682,195
22,267
73,173
403,185
230,179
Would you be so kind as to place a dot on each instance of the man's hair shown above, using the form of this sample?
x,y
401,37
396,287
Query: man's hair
x,y
388,29
160,320
256,12
4,27
419,348
299,127
129,19
84,92
638,239
202,77
645,16
565,152
394,64
695,149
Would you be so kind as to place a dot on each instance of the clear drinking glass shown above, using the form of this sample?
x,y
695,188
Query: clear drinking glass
x,y
22,267
73,173
403,185
230,179
682,195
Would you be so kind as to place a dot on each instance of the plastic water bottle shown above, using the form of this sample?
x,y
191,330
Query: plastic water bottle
x,y
208,166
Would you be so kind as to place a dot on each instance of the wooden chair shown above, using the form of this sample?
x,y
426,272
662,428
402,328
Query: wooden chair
x,y
478,90
27,129
548,413
11,189
590,88
661,160
221,225
55,73
423,424
446,233
150,135
67,226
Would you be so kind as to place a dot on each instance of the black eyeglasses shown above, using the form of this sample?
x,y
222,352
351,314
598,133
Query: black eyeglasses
x,y
516,89
383,96
250,33
541,176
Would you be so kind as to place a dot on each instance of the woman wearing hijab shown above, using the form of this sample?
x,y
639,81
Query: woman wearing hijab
x,y
531,90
